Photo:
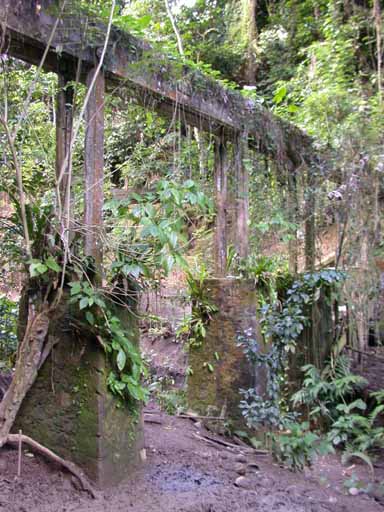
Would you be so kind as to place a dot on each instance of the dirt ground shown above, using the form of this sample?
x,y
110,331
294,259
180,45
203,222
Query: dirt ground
x,y
183,473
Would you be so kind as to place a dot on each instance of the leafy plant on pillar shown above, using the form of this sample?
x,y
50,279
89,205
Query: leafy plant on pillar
x,y
194,325
124,379
270,274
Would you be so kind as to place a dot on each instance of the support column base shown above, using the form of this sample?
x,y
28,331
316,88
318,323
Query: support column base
x,y
219,367
70,410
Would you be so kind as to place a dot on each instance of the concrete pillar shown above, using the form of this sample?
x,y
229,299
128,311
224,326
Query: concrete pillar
x,y
64,125
221,184
314,345
70,410
241,238
219,366
94,169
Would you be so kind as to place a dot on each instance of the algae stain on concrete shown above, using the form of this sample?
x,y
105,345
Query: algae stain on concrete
x,y
71,411
237,304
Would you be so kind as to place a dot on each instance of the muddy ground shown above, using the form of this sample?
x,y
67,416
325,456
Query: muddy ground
x,y
183,473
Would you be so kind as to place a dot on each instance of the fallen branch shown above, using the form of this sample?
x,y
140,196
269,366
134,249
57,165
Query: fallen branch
x,y
197,417
15,439
211,443
19,446
225,443
240,442
221,442
153,420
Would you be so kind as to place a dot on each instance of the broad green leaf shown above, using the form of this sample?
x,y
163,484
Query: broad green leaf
x,y
135,391
90,318
51,263
280,94
172,237
37,269
121,360
83,303
189,184
75,287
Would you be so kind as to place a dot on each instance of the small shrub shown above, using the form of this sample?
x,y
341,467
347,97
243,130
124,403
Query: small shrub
x,y
297,447
323,392
172,401
331,397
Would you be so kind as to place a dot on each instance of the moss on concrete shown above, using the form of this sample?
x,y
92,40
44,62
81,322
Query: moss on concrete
x,y
237,303
71,411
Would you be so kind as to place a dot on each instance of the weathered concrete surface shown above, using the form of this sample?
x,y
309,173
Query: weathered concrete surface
x,y
70,410
315,342
237,302
221,200
155,80
94,170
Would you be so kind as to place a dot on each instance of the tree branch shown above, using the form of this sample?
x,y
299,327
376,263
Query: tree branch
x,y
175,29
70,466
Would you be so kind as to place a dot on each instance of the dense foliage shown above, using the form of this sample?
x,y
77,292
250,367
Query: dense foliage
x,y
283,323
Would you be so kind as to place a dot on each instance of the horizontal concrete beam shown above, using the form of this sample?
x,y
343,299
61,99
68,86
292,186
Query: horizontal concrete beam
x,y
153,79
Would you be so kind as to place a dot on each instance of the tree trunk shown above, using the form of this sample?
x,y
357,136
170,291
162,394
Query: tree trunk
x,y
377,18
27,367
250,26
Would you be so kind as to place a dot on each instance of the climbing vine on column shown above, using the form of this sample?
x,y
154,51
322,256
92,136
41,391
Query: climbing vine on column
x,y
283,323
